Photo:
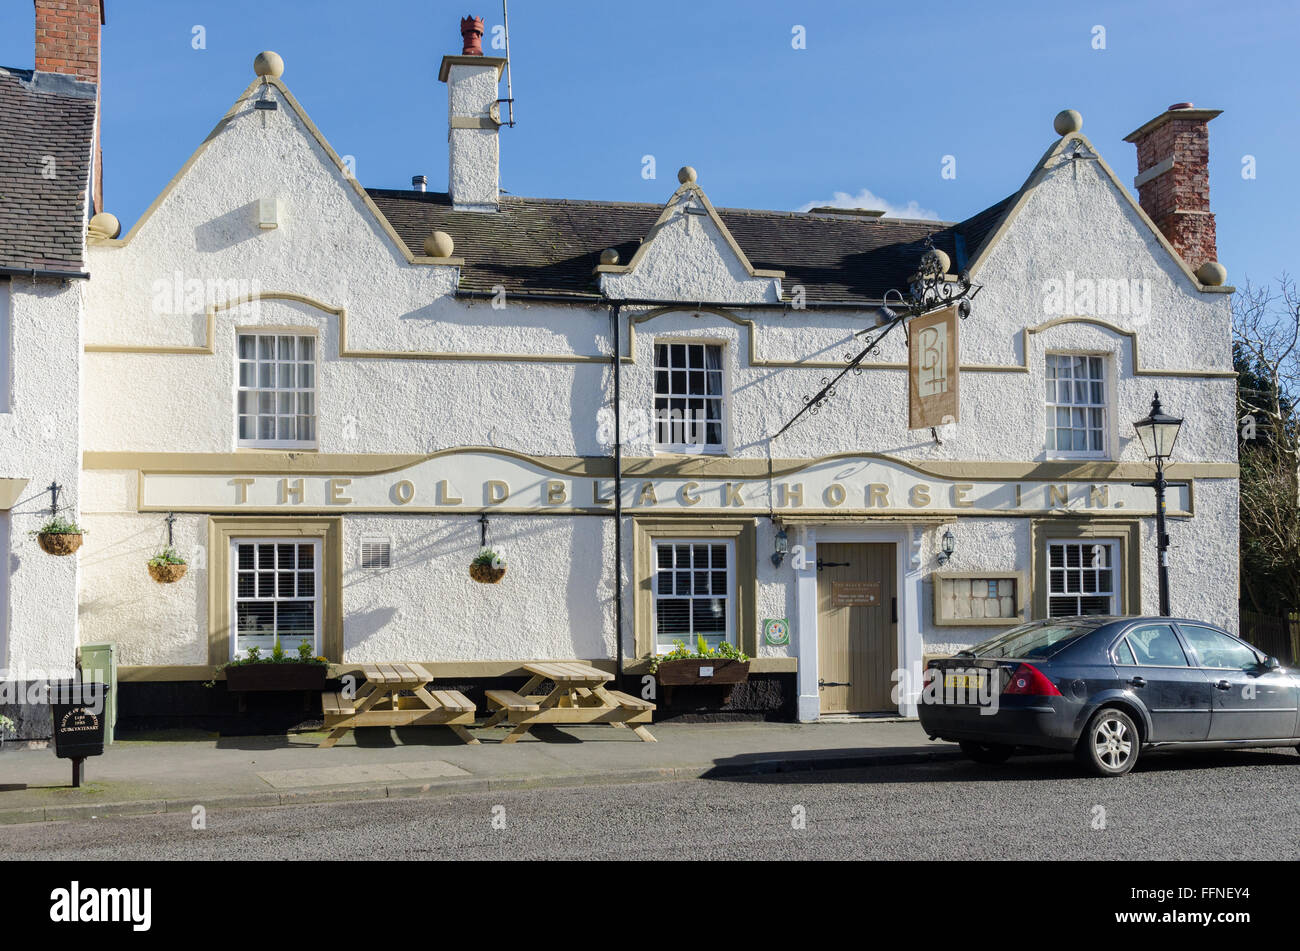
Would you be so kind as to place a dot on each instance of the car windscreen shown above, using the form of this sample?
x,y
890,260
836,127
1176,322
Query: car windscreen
x,y
1032,640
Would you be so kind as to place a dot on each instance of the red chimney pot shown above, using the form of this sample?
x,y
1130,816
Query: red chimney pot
x,y
471,29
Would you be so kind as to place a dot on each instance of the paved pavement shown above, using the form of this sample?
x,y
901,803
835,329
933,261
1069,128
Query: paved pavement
x,y
1233,805
172,772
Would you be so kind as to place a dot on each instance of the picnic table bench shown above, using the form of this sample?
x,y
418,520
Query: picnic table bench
x,y
579,696
380,702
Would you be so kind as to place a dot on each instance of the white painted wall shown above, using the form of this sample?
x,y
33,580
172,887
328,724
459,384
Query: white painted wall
x,y
39,439
555,600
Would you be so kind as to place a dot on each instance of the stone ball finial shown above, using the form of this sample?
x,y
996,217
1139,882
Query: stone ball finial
x,y
686,174
609,256
268,63
1212,274
104,225
939,258
1067,121
439,245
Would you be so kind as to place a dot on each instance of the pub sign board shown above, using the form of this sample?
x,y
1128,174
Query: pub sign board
x,y
932,369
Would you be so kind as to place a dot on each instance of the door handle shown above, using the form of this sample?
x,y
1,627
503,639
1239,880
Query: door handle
x,y
1224,685
1138,682
830,683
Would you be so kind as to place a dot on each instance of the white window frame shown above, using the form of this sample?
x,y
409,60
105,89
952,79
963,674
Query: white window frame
x,y
687,448
277,443
1116,573
317,598
1050,408
729,544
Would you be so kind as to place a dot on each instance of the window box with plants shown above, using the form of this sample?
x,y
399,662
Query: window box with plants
x,y
488,567
723,666
280,670
167,567
58,536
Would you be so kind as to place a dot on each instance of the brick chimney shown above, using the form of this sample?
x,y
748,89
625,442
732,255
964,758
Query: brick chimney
x,y
473,119
1173,180
67,42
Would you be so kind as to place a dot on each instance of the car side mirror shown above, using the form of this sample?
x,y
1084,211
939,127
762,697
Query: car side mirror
x,y
1271,663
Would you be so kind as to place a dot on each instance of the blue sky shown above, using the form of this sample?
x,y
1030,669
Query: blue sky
x,y
881,93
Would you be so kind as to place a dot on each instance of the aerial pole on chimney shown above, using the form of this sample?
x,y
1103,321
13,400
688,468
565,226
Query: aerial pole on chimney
x,y
510,91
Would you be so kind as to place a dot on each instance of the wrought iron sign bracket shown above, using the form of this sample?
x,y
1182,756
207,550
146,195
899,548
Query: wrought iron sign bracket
x,y
931,288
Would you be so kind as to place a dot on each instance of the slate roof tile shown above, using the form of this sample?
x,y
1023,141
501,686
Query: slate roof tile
x,y
551,246
42,219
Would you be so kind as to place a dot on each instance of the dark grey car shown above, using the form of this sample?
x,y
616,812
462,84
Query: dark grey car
x,y
1107,688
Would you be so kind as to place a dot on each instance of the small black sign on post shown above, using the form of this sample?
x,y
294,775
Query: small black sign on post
x,y
79,711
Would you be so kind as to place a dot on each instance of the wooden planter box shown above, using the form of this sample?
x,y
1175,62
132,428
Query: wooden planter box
x,y
167,574
486,574
683,672
720,672
272,676
59,543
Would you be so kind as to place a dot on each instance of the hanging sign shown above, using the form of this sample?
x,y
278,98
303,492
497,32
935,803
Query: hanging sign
x,y
932,369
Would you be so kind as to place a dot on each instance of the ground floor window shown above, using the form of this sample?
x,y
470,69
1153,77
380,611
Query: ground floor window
x,y
1081,577
694,592
275,593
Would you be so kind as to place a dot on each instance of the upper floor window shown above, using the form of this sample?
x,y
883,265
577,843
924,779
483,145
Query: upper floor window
x,y
1076,405
277,390
688,397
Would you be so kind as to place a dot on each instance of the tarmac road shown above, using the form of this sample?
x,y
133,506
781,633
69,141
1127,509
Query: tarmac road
x,y
1227,805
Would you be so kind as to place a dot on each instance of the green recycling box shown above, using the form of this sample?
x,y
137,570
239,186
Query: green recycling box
x,y
99,664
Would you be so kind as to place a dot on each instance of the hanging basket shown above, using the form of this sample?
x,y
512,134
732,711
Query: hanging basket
x,y
59,543
487,574
167,574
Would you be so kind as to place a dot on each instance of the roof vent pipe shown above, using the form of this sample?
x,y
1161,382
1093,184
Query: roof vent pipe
x,y
420,182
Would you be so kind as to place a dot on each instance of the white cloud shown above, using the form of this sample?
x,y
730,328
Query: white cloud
x,y
868,199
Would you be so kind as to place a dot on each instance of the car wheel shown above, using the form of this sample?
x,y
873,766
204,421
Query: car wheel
x,y
1110,744
986,752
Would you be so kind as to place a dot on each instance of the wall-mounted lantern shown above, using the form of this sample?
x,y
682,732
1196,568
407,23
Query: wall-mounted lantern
x,y
949,544
782,542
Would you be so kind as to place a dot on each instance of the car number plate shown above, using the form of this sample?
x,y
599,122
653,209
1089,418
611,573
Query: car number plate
x,y
964,681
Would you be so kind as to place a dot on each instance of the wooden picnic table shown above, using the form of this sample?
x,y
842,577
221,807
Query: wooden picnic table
x,y
380,702
579,696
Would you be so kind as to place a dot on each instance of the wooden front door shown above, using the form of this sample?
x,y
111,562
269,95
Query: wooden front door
x,y
857,627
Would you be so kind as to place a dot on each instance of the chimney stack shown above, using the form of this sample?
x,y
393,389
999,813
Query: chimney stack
x,y
1173,180
474,118
67,42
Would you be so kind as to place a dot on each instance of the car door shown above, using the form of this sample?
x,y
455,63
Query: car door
x,y
1152,664
1250,701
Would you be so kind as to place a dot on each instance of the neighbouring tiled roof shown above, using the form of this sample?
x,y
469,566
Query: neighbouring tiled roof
x,y
42,219
551,246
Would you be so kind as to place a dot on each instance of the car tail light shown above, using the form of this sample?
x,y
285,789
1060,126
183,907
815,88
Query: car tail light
x,y
1028,680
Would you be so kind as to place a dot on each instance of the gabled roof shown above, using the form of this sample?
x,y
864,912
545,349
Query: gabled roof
x,y
996,220
552,246
47,132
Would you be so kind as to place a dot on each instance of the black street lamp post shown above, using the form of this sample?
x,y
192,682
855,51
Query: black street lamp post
x,y
1158,432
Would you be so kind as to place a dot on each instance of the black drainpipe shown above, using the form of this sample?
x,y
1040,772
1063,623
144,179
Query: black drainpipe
x,y
618,497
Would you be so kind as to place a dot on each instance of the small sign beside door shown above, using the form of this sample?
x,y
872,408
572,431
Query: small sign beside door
x,y
846,594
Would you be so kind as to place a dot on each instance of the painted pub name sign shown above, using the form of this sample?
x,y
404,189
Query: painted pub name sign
x,y
479,481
